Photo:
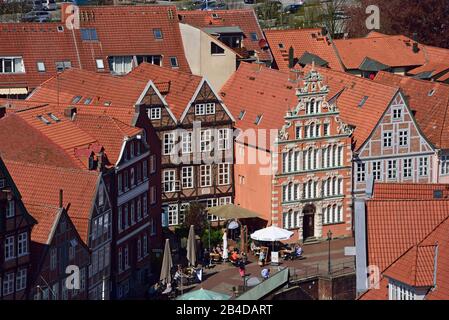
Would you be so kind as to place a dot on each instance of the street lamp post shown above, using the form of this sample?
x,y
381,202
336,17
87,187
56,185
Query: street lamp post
x,y
329,238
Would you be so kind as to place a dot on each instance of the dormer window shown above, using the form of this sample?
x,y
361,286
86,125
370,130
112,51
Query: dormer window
x,y
62,65
254,36
242,114
11,65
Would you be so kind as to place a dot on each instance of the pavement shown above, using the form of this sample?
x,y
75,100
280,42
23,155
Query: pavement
x,y
223,276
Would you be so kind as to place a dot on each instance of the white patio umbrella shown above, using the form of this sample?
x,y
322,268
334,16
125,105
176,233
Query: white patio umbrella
x,y
167,264
271,234
225,245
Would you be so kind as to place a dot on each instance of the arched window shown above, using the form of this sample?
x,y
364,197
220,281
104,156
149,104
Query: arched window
x,y
334,156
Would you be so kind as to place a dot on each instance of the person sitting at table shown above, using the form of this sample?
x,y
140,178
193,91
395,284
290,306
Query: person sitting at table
x,y
262,258
253,247
298,251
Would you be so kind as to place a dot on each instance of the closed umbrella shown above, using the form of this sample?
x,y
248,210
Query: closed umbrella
x,y
225,246
191,247
167,264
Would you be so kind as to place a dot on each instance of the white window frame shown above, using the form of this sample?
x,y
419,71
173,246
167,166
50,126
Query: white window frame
x,y
14,65
361,171
8,284
154,113
392,167
387,139
377,170
224,174
206,140
444,163
407,168
169,180
223,139
423,170
200,109
206,175
403,138
10,250
169,143
187,177
173,214
11,209
397,114
22,244
186,142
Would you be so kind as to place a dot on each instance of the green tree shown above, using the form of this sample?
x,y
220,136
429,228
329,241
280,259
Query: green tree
x,y
196,215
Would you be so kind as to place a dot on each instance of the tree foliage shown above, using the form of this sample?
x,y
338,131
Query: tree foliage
x,y
428,19
196,215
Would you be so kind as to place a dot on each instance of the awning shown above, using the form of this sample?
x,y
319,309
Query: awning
x,y
231,211
222,30
7,91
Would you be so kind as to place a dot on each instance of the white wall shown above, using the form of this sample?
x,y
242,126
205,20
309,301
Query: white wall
x,y
216,68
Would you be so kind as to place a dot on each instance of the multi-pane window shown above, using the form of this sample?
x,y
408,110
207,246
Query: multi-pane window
x,y
397,291
290,192
11,65
154,113
9,248
172,212
407,168
182,212
392,169
204,108
290,219
224,173
168,180
11,209
290,161
169,142
126,256
445,164
132,210
139,209
121,64
145,169
403,138
360,172
205,175
377,173
333,214
120,259
8,283
223,139
310,189
423,166
22,244
120,219
387,139
205,140
21,279
63,65
397,113
186,142
145,203
53,258
89,34
187,177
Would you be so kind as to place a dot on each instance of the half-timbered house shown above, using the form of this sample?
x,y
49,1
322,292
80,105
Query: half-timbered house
x,y
15,233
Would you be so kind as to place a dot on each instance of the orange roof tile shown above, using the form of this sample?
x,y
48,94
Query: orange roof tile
x,y
301,40
40,184
121,30
394,226
244,18
262,91
35,147
46,217
411,191
429,101
394,51
176,86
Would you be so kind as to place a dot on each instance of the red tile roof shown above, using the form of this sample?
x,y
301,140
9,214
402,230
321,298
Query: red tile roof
x,y
121,30
410,191
176,86
46,218
35,147
429,100
302,40
415,268
101,88
394,226
437,62
39,185
245,19
394,51
267,92
417,265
